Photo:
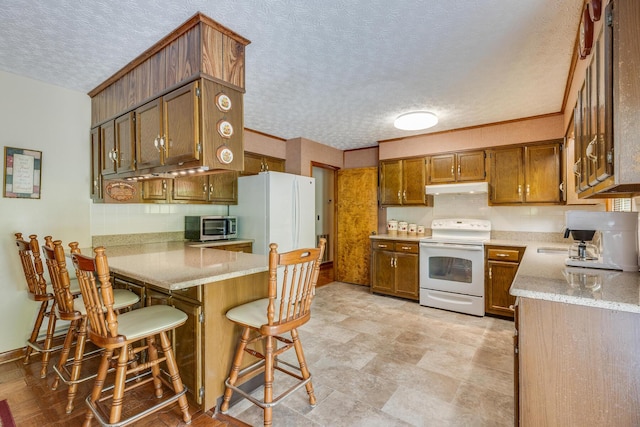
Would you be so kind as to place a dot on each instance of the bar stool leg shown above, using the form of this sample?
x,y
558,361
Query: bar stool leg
x,y
172,366
99,384
48,341
235,368
297,345
268,380
81,339
64,353
36,330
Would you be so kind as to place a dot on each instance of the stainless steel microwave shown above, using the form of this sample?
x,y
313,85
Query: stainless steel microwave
x,y
204,228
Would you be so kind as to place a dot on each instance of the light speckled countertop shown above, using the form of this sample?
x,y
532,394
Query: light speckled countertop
x,y
544,276
178,265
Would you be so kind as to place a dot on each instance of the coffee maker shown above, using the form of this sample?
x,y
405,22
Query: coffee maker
x,y
607,240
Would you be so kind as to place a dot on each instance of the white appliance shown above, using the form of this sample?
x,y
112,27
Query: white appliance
x,y
276,207
452,265
607,240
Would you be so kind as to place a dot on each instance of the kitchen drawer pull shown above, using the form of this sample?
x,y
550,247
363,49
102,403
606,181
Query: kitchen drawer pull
x,y
406,248
500,254
382,246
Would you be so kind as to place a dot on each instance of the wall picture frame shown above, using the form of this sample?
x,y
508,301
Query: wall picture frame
x,y
22,173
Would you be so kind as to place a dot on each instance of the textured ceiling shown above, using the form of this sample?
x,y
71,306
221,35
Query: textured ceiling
x,y
334,71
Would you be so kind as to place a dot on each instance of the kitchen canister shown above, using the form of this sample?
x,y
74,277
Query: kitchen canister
x,y
402,226
420,230
392,226
412,228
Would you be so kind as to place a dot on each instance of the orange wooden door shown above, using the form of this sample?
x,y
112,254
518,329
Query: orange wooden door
x,y
356,220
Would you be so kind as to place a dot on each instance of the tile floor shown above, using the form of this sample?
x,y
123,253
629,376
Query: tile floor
x,y
383,361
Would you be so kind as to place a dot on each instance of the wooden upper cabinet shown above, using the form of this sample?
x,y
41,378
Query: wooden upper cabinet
x,y
413,181
402,182
542,173
256,163
96,165
526,174
167,130
124,156
391,182
108,147
223,188
507,176
199,47
442,168
148,134
181,129
471,166
191,188
155,190
457,167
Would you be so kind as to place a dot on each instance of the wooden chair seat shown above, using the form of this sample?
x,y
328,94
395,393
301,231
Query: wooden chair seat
x,y
292,280
135,332
122,298
143,322
254,314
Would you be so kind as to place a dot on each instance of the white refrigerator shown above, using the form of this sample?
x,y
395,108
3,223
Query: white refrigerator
x,y
276,207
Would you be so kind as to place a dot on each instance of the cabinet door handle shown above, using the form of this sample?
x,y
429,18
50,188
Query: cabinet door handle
x,y
490,275
115,156
519,190
458,170
404,195
205,187
590,148
399,199
576,168
156,142
391,262
451,170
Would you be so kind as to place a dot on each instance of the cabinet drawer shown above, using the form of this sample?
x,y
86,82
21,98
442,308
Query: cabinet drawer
x,y
411,248
503,254
383,245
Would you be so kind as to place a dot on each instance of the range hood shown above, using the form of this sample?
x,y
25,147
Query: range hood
x,y
458,188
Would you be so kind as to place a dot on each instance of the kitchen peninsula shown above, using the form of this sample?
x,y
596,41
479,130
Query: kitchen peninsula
x,y
576,344
204,283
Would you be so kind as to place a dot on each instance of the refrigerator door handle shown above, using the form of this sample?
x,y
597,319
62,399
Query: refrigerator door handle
x,y
296,214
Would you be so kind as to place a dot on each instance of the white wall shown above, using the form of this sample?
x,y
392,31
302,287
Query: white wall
x,y
55,121
548,219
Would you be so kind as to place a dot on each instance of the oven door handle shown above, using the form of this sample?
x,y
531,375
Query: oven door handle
x,y
451,246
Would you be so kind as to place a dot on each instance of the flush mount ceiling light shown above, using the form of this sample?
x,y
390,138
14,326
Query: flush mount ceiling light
x,y
416,120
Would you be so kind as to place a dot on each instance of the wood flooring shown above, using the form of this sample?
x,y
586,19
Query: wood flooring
x,y
33,403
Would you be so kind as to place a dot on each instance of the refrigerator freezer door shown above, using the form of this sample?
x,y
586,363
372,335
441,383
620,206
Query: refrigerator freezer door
x,y
275,207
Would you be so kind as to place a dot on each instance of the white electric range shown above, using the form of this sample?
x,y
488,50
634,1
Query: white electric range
x,y
452,265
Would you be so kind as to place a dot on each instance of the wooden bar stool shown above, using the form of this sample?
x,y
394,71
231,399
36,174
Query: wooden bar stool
x,y
73,310
37,287
292,281
127,335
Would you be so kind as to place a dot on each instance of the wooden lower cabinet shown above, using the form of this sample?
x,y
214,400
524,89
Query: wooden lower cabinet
x,y
501,266
577,365
246,247
395,267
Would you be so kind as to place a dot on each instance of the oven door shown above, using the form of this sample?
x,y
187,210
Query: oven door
x,y
452,267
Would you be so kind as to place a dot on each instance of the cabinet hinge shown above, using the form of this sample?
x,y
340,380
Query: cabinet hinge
x,y
201,318
609,157
199,148
201,392
610,19
198,92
